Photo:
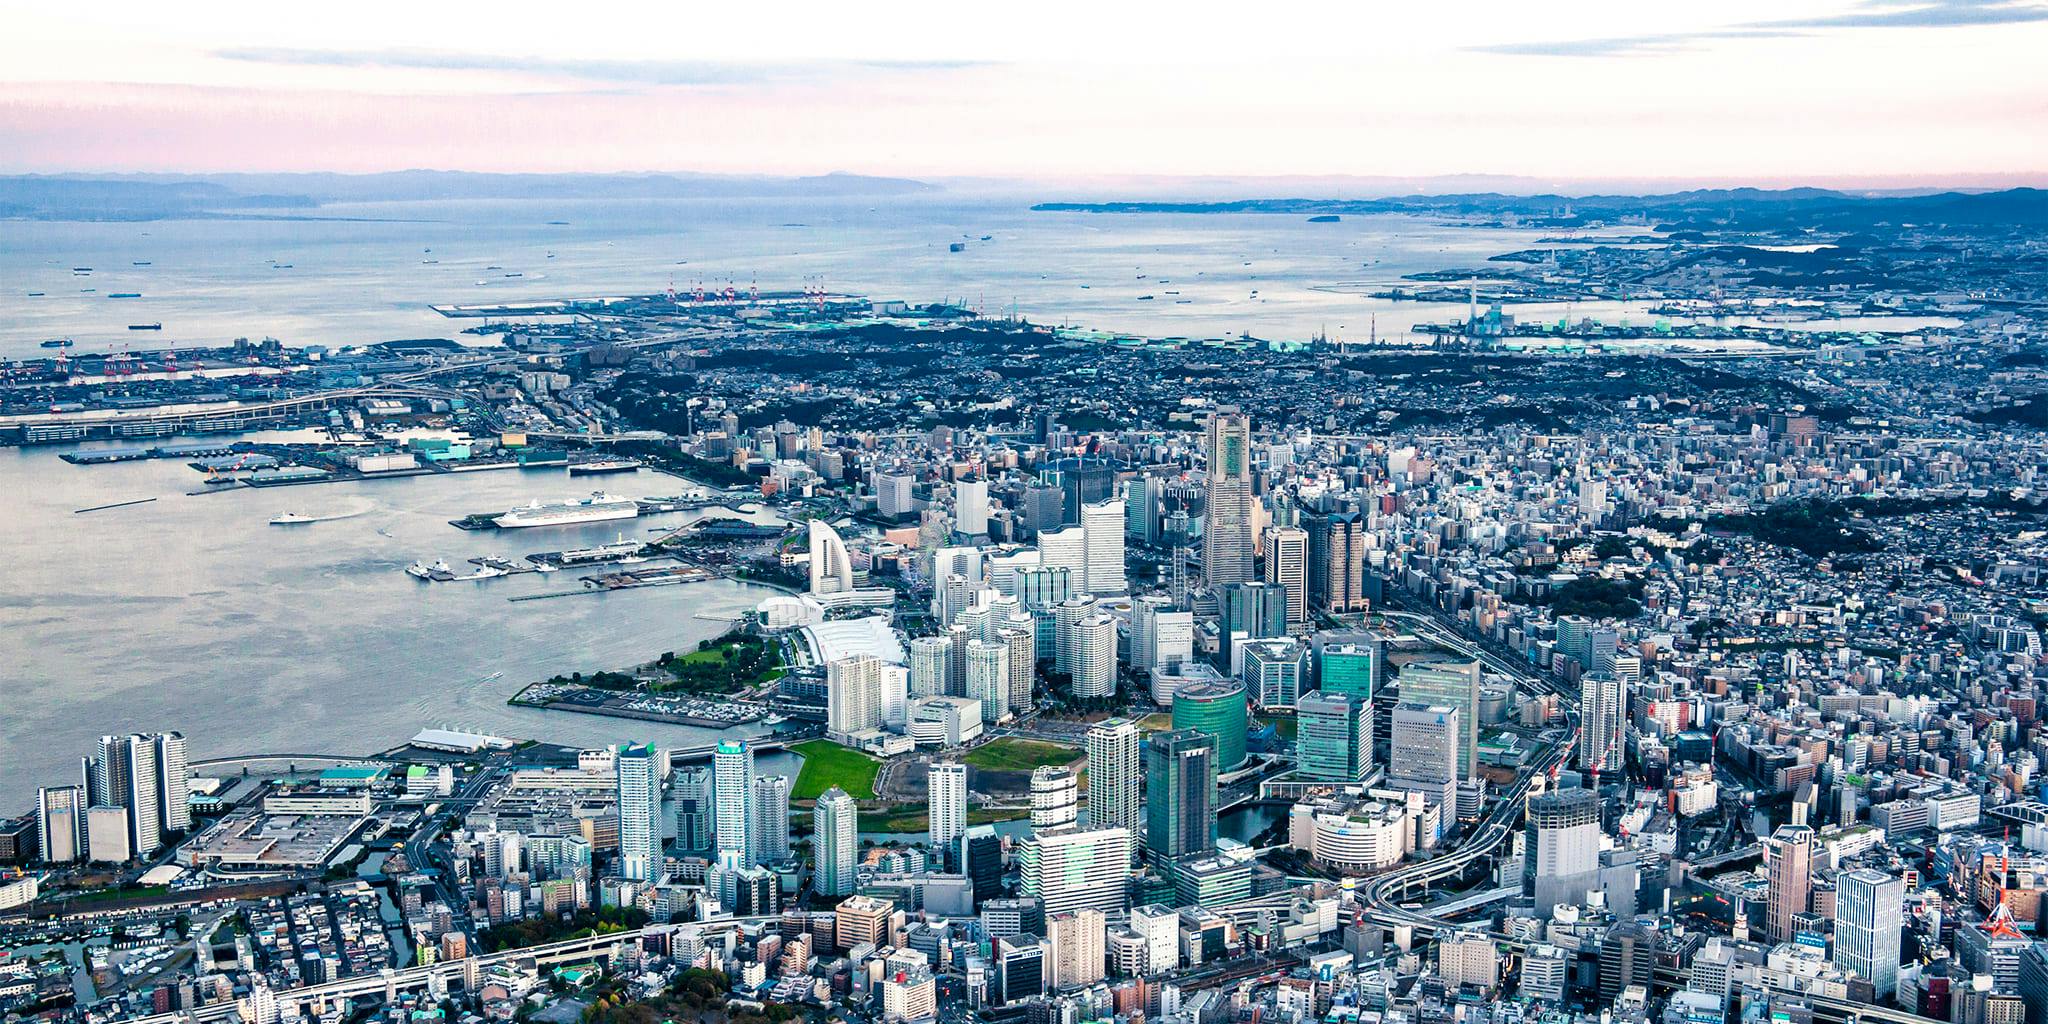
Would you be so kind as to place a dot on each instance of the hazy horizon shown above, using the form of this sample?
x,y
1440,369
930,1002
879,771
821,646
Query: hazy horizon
x,y
1854,93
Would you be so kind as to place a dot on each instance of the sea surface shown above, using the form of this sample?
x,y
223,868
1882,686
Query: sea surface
x,y
192,613
363,273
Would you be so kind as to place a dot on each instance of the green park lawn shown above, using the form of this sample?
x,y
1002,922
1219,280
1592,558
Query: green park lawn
x,y
827,764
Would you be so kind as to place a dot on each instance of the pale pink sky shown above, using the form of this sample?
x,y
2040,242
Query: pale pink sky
x,y
1737,89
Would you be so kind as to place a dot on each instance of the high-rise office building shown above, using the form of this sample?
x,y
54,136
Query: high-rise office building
x,y
1628,956
1161,635
694,817
1453,684
1020,969
835,827
1333,737
173,786
1102,528
1336,561
1066,549
1602,717
1180,793
639,792
1071,869
1788,864
60,823
831,568
1116,773
1273,671
1141,509
1220,711
1093,656
1349,668
732,775
981,860
1042,589
970,507
1561,855
1227,551
1424,756
770,828
1055,797
946,804
1250,611
1868,919
1287,568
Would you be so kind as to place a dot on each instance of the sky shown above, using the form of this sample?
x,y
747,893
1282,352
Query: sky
x,y
1871,92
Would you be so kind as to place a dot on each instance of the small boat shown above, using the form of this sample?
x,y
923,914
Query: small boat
x,y
291,519
35,295
957,247
141,263
515,274
280,266
987,237
494,266
81,270
146,327
1144,298
430,263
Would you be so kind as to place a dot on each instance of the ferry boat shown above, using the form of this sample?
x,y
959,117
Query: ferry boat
x,y
603,466
291,519
597,508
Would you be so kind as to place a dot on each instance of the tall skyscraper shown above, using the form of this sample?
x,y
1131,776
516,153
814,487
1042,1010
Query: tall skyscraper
x,y
1868,919
930,658
1333,737
970,507
732,775
988,678
1220,711
1180,793
1076,938
1788,863
1454,684
1227,527
1287,568
1602,717
693,796
639,786
60,823
1066,549
1116,774
1336,561
981,860
1022,644
1072,869
1055,797
1161,635
857,695
124,771
1424,756
1093,656
946,804
836,842
1251,611
1561,857
770,831
831,568
1102,527
1066,616
173,787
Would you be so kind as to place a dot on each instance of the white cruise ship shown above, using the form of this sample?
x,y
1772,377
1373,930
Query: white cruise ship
x,y
595,509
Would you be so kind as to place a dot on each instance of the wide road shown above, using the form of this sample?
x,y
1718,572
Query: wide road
x,y
1382,893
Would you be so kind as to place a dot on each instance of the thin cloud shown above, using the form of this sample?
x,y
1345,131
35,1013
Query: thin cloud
x,y
1867,14
603,72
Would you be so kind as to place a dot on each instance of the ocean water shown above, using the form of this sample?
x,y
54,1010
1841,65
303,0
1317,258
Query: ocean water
x,y
191,612
365,279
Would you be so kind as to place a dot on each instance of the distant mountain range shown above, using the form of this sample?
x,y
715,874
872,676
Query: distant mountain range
x,y
1743,209
168,196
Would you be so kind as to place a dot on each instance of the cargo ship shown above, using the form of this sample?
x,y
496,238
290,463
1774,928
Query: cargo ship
x,y
124,295
603,466
146,327
597,508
